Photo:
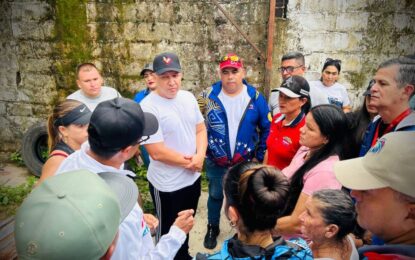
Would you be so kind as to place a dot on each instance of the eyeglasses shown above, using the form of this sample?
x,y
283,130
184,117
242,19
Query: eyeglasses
x,y
289,69
142,140
230,57
333,61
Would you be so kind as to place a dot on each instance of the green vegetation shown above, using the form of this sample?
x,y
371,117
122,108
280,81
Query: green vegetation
x,y
73,40
12,197
16,157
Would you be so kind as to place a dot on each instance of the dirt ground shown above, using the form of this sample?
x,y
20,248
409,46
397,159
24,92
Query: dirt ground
x,y
198,232
12,175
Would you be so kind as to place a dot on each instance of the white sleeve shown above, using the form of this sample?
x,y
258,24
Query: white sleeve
x,y
167,246
318,96
158,136
273,103
345,97
135,241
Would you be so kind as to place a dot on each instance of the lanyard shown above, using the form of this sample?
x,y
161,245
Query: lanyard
x,y
391,126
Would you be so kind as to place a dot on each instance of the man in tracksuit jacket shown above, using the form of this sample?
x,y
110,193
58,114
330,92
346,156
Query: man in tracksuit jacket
x,y
237,121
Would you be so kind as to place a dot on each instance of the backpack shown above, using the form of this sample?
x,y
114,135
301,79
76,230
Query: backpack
x,y
292,249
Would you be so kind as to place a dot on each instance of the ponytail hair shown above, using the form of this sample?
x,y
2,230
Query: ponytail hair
x,y
337,207
58,112
258,192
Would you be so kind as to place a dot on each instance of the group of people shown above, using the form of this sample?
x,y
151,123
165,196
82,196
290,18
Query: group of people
x,y
283,169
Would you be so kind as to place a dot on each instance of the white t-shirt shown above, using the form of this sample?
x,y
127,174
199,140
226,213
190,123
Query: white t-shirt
x,y
337,93
107,93
134,237
317,97
235,108
177,119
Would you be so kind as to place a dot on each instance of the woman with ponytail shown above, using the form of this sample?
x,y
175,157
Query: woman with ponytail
x,y
67,130
322,139
255,198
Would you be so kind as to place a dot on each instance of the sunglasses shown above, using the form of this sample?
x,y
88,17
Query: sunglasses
x,y
289,69
232,58
142,140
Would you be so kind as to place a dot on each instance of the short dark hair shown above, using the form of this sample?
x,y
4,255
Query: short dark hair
x,y
298,56
337,208
332,62
406,71
258,192
85,66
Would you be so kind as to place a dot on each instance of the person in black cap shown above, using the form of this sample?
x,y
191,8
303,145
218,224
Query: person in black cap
x,y
115,130
178,148
67,130
284,137
148,74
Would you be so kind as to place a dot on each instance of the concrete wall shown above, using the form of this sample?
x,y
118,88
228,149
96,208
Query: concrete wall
x,y
41,42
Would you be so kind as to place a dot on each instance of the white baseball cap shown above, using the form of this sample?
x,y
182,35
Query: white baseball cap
x,y
389,163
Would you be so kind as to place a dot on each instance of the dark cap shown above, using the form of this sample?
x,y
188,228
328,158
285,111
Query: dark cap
x,y
80,115
295,87
147,67
166,61
367,91
118,123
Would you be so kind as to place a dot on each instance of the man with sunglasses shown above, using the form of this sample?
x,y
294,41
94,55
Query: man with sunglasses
x,y
293,64
115,131
237,120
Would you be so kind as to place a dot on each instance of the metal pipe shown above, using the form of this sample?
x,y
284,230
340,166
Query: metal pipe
x,y
270,48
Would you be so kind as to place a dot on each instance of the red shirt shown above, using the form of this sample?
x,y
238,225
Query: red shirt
x,y
283,140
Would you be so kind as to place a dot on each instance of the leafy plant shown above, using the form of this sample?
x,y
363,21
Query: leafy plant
x,y
12,197
16,157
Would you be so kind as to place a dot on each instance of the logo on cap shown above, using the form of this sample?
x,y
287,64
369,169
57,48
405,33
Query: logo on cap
x,y
166,60
378,146
231,60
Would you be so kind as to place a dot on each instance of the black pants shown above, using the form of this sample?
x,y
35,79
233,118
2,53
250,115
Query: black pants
x,y
168,204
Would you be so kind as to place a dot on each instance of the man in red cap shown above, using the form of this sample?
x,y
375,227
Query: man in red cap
x,y
236,116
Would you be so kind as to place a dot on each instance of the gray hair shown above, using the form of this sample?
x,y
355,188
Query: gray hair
x,y
298,56
403,197
406,70
337,208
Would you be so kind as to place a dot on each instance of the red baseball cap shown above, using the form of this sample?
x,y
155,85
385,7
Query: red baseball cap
x,y
231,60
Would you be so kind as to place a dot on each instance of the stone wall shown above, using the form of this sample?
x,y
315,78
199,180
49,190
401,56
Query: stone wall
x,y
41,42
360,33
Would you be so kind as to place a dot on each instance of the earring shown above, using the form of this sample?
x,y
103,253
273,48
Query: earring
x,y
232,224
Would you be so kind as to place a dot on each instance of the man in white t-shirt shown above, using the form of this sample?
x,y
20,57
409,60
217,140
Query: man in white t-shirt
x,y
91,92
293,63
177,150
238,125
115,131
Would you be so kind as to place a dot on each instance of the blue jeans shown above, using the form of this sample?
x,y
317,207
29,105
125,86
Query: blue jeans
x,y
215,175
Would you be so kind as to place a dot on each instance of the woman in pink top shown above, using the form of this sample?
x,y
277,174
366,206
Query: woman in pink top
x,y
322,138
